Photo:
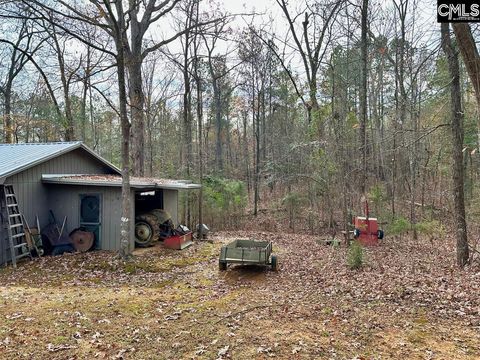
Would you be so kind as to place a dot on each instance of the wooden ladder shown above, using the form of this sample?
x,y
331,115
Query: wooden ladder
x,y
16,233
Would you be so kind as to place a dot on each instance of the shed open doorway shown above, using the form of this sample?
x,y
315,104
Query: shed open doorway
x,y
148,200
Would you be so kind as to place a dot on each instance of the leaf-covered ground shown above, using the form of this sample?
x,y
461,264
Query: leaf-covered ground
x,y
408,301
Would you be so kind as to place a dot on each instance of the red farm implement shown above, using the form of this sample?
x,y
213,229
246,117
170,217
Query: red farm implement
x,y
366,228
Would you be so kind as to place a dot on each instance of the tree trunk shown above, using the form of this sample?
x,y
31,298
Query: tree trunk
x,y
137,102
457,144
218,124
83,110
199,110
313,107
8,123
90,115
69,125
187,108
122,96
256,129
246,156
363,96
471,58
263,146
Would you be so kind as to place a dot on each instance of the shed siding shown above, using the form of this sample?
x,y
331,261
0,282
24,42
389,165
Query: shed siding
x,y
64,200
32,193
170,204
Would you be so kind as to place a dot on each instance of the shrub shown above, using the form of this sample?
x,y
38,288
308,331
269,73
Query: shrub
x,y
224,201
377,194
355,255
398,226
431,228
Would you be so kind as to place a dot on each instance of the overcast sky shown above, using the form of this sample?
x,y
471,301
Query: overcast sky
x,y
237,6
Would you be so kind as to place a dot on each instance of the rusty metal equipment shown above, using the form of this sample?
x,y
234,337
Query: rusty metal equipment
x,y
181,238
56,239
248,252
146,230
152,226
82,240
156,225
366,228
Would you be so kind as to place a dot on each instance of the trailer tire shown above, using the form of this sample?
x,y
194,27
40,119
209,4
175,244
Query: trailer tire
x,y
274,263
147,230
380,234
356,233
222,266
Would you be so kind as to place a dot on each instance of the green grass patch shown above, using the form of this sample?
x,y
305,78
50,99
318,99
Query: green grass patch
x,y
60,339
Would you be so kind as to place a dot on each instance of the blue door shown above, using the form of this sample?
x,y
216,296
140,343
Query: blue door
x,y
90,215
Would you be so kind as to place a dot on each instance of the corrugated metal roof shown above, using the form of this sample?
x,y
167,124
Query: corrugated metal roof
x,y
15,158
115,180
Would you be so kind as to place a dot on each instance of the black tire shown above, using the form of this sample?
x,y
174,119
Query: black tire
x,y
274,263
356,233
222,266
380,234
146,230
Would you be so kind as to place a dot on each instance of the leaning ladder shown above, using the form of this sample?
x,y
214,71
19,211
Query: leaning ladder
x,y
16,233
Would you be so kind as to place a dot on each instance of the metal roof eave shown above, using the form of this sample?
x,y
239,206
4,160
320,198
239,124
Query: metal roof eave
x,y
43,159
56,179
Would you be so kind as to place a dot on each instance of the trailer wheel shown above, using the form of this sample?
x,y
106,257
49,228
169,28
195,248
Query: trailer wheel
x,y
274,263
146,230
380,234
222,266
356,233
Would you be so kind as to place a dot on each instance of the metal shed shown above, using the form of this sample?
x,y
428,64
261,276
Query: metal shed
x,y
71,180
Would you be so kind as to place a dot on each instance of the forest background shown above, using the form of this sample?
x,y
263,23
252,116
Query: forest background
x,y
287,114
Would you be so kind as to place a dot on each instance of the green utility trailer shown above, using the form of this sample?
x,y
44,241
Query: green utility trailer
x,y
248,252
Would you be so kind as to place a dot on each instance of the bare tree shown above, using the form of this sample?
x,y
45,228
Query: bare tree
x,y
199,111
67,72
141,14
17,60
157,92
457,145
252,53
219,70
139,17
310,40
363,95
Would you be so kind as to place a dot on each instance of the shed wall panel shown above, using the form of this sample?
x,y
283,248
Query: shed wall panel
x,y
65,201
170,204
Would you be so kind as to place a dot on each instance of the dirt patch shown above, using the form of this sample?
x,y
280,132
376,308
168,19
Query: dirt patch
x,y
244,274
